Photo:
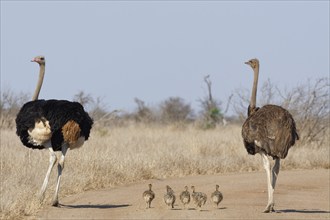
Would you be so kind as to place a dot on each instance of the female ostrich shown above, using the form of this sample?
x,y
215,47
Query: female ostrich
x,y
57,125
269,131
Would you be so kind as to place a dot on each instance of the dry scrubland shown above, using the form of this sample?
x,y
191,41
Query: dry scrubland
x,y
122,155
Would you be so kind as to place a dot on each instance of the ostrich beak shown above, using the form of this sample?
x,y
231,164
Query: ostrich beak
x,y
247,62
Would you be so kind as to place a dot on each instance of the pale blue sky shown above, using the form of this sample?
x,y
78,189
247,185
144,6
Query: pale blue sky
x,y
152,50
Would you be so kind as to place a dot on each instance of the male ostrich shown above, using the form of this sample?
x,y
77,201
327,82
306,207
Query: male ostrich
x,y
57,125
269,131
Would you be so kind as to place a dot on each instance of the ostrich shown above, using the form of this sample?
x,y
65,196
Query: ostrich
x,y
269,131
185,197
199,198
216,196
169,197
57,125
148,196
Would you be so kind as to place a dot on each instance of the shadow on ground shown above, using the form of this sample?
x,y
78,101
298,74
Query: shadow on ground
x,y
306,211
90,206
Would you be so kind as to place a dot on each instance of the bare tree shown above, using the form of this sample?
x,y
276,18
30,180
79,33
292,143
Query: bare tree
x,y
211,111
96,108
310,105
83,98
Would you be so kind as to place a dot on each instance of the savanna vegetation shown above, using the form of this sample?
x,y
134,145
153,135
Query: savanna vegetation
x,y
169,140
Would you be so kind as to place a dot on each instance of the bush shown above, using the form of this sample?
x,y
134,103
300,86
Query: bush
x,y
174,109
10,104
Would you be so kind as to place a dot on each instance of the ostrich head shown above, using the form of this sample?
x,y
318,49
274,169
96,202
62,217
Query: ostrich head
x,y
254,63
39,59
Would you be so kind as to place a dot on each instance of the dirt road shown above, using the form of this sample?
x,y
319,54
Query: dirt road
x,y
302,194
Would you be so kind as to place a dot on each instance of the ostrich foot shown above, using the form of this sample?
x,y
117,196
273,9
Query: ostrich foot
x,y
269,208
55,203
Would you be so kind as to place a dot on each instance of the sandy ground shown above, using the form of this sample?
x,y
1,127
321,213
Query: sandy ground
x,y
302,194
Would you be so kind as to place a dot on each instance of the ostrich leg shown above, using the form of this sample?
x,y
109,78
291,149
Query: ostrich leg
x,y
270,184
60,168
52,161
275,172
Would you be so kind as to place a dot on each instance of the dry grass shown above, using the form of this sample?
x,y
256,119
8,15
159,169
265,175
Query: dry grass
x,y
128,154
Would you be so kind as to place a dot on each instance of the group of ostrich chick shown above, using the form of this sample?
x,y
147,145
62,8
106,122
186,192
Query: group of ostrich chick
x,y
59,125
199,198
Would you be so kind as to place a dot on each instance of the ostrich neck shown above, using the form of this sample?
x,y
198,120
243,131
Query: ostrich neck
x,y
39,84
254,88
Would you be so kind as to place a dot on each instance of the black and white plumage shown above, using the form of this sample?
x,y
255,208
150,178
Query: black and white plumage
x,y
269,131
57,125
56,113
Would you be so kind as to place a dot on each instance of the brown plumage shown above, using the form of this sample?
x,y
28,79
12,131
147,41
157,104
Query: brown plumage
x,y
269,131
169,197
216,196
148,196
199,198
185,197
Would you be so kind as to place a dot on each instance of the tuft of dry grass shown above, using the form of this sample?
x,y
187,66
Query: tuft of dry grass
x,y
122,155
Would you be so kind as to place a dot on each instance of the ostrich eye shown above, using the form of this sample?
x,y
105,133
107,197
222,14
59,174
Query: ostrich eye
x,y
41,58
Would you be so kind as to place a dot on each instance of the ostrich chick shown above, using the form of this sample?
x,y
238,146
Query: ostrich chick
x,y
148,196
199,198
185,197
216,196
169,197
